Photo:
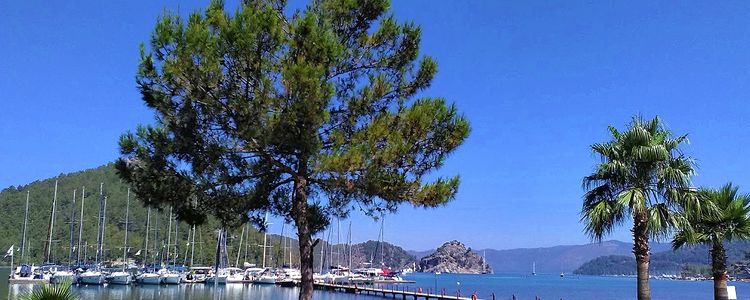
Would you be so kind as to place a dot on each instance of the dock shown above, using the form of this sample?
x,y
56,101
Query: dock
x,y
388,293
27,280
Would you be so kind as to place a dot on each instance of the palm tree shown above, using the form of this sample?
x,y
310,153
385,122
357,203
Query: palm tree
x,y
643,175
730,223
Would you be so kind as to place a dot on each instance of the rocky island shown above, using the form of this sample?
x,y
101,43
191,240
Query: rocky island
x,y
454,257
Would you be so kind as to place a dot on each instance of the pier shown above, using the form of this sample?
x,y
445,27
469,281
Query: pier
x,y
388,293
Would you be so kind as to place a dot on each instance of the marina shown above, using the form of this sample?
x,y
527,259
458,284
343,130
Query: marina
x,y
504,286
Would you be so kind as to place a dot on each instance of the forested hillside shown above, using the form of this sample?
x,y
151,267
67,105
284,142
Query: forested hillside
x,y
663,262
41,194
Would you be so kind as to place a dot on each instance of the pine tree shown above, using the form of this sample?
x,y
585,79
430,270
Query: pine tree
x,y
304,115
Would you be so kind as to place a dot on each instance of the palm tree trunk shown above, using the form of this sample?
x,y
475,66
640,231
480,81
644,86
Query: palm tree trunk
x,y
641,251
719,268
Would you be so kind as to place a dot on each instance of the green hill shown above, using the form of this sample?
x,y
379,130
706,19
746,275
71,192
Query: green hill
x,y
685,260
41,195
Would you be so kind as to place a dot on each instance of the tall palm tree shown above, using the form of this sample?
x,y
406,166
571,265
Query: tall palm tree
x,y
642,175
730,223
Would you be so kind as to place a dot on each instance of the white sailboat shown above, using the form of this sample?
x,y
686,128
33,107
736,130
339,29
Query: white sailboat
x,y
66,274
533,269
167,276
95,276
123,277
219,274
147,277
484,262
267,277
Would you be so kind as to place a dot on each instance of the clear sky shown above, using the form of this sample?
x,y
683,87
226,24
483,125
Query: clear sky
x,y
539,81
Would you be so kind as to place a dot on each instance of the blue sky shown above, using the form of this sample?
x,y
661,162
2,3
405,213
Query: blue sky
x,y
539,81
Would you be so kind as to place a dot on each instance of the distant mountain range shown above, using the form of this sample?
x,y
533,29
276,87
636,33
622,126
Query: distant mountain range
x,y
665,262
554,259
599,258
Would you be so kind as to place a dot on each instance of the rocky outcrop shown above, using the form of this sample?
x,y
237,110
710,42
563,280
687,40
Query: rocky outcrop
x,y
453,257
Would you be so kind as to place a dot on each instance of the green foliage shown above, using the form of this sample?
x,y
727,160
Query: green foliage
x,y
50,292
730,222
608,265
306,116
256,107
643,173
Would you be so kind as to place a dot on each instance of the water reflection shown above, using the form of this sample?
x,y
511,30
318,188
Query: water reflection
x,y
186,291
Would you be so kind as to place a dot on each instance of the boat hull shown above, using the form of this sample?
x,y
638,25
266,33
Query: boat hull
x,y
150,280
61,277
171,279
221,280
123,279
265,280
95,279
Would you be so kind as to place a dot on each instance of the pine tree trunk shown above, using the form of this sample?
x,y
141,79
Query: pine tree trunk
x,y
641,251
719,268
305,238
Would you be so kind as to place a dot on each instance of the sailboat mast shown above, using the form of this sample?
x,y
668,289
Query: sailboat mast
x,y
145,250
338,242
247,229
157,252
282,246
350,245
125,246
192,245
80,227
322,258
265,244
239,248
382,239
25,222
100,227
51,226
176,232
218,259
72,229
104,227
169,235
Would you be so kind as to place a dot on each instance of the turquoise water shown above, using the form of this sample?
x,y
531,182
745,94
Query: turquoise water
x,y
503,285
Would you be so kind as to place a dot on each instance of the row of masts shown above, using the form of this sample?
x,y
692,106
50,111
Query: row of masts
x,y
77,249
171,250
170,247
334,253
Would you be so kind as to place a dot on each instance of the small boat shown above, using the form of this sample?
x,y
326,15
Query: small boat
x,y
235,275
288,282
61,276
266,279
196,275
562,274
168,277
120,277
91,277
221,279
149,278
533,269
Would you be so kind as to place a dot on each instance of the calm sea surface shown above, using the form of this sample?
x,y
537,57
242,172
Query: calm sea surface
x,y
503,285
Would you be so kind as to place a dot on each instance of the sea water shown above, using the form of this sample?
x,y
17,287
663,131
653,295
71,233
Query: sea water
x,y
504,286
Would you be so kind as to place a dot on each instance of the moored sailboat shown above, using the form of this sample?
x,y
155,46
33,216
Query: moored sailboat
x,y
123,277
